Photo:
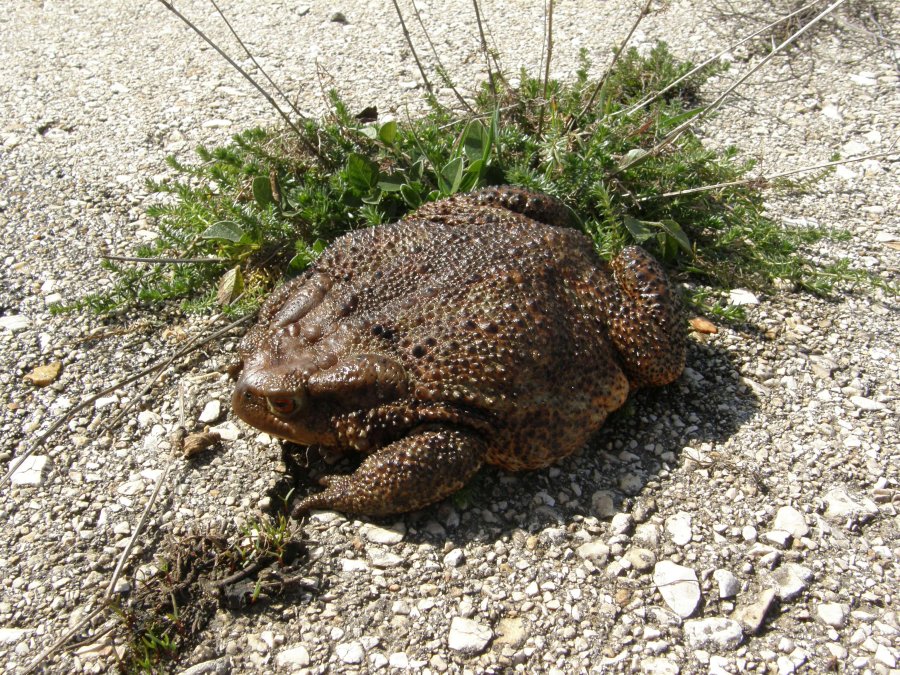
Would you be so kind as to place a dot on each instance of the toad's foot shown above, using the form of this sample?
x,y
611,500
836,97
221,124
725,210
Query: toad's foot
x,y
409,474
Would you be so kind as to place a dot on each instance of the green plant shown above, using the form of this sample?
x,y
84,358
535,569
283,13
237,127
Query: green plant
x,y
265,205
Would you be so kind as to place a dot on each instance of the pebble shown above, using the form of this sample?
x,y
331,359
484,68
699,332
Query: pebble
x,y
455,558
791,580
383,535
792,521
646,534
751,616
398,660
678,586
641,559
384,559
602,504
12,635
350,652
713,633
886,655
864,403
727,582
621,523
593,550
14,322
659,665
468,636
741,296
511,631
833,614
30,471
211,412
679,528
841,506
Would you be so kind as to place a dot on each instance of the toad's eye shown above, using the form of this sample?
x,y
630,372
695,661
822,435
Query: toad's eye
x,y
281,405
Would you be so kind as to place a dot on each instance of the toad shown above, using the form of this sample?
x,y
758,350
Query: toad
x,y
478,330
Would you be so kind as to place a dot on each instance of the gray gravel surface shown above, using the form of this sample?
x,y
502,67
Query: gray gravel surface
x,y
743,519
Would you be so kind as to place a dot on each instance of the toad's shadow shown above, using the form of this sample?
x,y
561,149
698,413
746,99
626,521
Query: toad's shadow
x,y
707,404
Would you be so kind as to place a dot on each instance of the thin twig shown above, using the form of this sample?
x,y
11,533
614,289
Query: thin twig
x,y
763,180
644,103
548,42
163,261
287,100
411,46
19,459
305,141
485,50
41,659
645,10
440,66
681,128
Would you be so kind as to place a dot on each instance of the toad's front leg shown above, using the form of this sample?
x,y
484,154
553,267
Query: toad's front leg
x,y
429,464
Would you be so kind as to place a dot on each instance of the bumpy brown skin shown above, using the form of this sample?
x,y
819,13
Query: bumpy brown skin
x,y
477,330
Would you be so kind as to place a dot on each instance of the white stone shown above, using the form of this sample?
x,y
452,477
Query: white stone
x,y
659,666
832,112
378,660
866,403
227,431
841,506
729,586
14,322
353,565
886,656
646,534
641,559
791,579
468,636
131,488
679,528
594,550
398,660
785,665
147,418
384,535
30,471
350,652
749,533
854,148
455,558
741,296
10,636
833,614
778,537
384,559
621,523
713,633
678,586
790,520
211,412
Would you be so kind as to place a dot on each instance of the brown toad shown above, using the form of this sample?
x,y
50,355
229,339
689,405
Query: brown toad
x,y
477,330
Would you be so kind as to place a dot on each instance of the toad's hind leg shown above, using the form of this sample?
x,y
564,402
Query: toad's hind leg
x,y
644,319
535,205
420,469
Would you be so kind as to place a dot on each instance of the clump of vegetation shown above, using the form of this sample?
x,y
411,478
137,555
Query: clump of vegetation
x,y
269,202
198,574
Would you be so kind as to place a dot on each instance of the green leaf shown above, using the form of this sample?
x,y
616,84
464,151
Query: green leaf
x,y
673,231
262,192
475,140
231,285
368,132
388,132
451,174
637,229
306,254
225,230
391,183
361,173
632,156
471,176
411,196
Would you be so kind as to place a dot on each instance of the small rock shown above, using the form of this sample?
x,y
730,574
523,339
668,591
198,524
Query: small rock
x,y
30,471
641,559
792,521
713,633
621,523
211,412
220,666
350,652
791,580
10,636
659,666
594,550
785,665
14,322
839,505
833,614
886,656
44,375
741,296
749,533
678,586
468,636
646,534
778,537
728,583
384,559
679,528
131,488
353,565
751,617
383,535
703,326
512,632
455,558
602,504
398,660
864,403
832,112
338,17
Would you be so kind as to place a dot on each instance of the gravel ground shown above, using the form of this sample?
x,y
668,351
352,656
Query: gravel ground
x,y
743,519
